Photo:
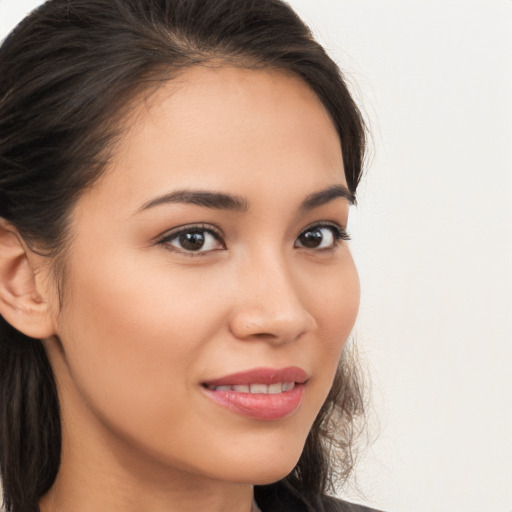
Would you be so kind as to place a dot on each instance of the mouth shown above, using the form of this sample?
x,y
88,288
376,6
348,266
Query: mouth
x,y
272,389
262,393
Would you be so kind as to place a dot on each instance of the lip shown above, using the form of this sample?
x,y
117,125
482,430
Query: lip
x,y
262,376
260,406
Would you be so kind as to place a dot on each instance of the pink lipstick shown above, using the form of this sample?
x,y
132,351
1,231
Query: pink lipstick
x,y
260,393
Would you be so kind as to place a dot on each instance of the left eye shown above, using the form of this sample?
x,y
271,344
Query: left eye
x,y
320,237
194,241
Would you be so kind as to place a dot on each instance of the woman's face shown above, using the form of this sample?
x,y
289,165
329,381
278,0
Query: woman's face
x,y
210,254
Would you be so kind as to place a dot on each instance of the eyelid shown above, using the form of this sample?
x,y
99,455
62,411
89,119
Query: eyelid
x,y
339,233
338,228
173,233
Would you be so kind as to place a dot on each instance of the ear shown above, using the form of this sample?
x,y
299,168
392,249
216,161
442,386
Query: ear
x,y
23,303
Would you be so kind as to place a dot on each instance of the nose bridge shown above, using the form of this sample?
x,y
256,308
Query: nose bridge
x,y
269,302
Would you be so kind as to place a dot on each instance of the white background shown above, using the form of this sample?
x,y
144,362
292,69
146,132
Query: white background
x,y
433,242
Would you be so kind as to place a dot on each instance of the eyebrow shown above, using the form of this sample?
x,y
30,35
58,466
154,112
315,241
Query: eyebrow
x,y
214,200
220,201
317,199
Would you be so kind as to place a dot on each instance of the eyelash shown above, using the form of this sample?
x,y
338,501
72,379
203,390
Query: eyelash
x,y
193,228
339,234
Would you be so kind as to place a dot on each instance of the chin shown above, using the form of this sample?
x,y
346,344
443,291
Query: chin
x,y
262,475
271,476
267,468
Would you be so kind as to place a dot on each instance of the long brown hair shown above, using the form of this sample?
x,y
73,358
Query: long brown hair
x,y
67,74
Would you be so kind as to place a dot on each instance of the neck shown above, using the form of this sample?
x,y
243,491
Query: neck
x,y
102,470
91,489
99,472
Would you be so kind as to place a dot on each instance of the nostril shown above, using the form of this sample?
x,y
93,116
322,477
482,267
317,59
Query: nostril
x,y
280,327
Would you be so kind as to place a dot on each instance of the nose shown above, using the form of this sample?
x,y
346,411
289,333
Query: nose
x,y
268,304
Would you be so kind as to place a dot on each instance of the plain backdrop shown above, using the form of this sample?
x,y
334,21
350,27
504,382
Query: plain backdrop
x,y
433,242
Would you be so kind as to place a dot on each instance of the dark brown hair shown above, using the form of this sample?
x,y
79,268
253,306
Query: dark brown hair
x,y
67,74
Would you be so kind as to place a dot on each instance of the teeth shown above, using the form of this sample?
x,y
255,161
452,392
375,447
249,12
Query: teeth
x,y
272,389
275,388
242,388
287,386
259,388
223,388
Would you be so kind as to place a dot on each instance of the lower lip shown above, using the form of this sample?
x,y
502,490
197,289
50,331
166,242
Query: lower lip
x,y
260,406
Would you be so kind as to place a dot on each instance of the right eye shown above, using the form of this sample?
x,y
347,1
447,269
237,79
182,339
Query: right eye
x,y
193,240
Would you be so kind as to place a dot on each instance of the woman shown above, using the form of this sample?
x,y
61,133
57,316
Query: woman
x,y
176,286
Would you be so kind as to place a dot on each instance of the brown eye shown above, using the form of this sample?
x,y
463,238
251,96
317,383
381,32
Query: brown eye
x,y
194,240
319,237
311,239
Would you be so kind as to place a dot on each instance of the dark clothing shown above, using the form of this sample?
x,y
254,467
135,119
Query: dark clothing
x,y
345,506
282,499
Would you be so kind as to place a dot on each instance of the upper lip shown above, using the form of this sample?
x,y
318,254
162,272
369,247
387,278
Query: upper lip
x,y
262,376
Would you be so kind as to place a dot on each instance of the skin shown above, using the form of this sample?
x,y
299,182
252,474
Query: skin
x,y
144,323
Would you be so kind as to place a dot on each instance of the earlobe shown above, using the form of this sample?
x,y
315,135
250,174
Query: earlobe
x,y
22,304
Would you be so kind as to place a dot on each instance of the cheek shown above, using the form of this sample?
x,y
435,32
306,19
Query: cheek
x,y
333,296
336,304
137,337
132,338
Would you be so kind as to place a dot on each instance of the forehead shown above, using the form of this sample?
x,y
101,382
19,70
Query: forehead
x,y
225,127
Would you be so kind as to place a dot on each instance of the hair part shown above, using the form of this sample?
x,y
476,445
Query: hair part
x,y
69,74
